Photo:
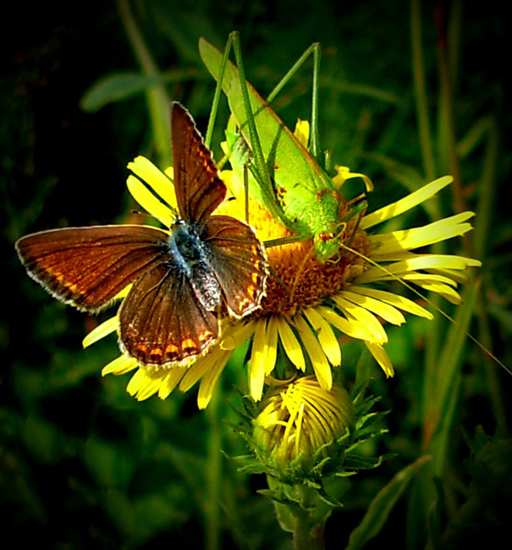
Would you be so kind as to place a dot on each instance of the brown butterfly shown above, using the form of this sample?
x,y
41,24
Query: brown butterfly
x,y
181,279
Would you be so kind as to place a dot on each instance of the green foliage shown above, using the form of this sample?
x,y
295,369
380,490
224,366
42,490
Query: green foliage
x,y
118,87
85,466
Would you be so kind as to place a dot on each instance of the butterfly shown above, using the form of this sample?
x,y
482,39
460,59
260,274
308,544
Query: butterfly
x,y
182,280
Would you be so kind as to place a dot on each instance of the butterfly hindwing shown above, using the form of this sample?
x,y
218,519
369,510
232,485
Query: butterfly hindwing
x,y
199,190
239,261
162,322
89,266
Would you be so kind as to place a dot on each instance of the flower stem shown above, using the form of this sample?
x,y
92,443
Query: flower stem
x,y
306,537
214,473
306,526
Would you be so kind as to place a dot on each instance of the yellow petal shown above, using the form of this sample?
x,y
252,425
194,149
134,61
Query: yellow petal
x,y
155,178
352,328
197,370
236,335
257,361
432,285
434,261
301,132
326,336
291,345
271,345
170,382
389,244
123,293
149,202
428,261
318,359
209,380
142,385
382,358
458,277
344,174
169,172
408,202
386,311
364,317
104,329
433,277
395,300
135,381
120,365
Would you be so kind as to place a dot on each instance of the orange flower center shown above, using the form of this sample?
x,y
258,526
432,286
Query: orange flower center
x,y
297,279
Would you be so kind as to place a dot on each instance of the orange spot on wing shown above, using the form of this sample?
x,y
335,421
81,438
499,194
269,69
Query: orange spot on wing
x,y
205,335
171,348
188,343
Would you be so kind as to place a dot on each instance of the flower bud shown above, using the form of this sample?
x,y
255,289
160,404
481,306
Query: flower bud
x,y
300,423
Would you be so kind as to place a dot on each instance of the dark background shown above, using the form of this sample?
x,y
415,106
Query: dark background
x,y
81,463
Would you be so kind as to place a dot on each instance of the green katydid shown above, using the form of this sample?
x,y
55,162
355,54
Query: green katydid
x,y
291,182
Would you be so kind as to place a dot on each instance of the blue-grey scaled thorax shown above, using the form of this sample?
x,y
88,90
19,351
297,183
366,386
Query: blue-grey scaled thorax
x,y
192,258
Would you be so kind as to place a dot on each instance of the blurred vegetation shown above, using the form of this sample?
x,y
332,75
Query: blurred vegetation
x,y
82,465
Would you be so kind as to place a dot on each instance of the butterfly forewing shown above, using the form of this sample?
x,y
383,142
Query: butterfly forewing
x,y
239,261
162,321
199,190
89,266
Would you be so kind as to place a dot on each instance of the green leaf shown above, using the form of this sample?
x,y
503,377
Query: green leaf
x,y
110,465
121,86
381,506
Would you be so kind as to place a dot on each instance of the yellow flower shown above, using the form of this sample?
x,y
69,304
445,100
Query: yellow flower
x,y
308,304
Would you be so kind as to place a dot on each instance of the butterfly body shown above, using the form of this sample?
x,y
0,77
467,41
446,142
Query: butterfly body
x,y
182,279
191,255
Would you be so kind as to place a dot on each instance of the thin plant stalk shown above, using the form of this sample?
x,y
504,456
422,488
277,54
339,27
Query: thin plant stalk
x,y
214,472
305,537
488,186
447,113
420,88
157,97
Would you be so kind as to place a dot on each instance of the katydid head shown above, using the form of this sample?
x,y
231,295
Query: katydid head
x,y
327,244
330,245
